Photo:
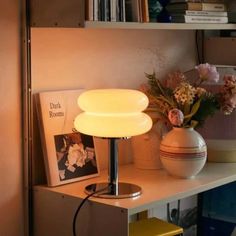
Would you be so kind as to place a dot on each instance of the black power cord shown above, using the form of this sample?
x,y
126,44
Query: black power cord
x,y
197,46
82,203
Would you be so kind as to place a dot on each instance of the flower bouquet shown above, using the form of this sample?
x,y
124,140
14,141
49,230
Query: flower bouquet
x,y
186,103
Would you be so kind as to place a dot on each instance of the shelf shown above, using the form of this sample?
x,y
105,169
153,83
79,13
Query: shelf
x,y
158,187
158,26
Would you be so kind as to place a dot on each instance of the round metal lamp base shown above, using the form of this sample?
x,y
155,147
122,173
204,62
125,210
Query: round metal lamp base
x,y
124,190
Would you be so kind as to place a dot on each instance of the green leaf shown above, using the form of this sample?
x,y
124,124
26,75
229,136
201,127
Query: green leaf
x,y
209,106
194,109
193,123
167,100
155,84
186,109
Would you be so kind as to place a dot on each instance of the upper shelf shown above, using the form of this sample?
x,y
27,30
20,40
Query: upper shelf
x,y
157,26
71,14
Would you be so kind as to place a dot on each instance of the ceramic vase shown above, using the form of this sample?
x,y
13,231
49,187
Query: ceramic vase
x,y
183,152
146,148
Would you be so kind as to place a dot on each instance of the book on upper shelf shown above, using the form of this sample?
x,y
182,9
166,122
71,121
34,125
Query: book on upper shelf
x,y
232,11
114,14
181,1
89,10
68,155
137,10
145,11
232,17
205,1
133,10
196,6
199,19
200,13
105,10
122,15
117,10
214,1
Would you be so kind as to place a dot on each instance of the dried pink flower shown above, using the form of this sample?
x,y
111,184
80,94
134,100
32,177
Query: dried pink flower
x,y
229,104
176,117
233,100
227,108
207,72
183,102
174,79
228,94
200,91
144,88
229,81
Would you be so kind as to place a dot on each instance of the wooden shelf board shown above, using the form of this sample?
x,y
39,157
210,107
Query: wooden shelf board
x,y
158,187
158,26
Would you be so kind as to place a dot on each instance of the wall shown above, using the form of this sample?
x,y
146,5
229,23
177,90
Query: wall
x,y
99,58
11,174
65,58
91,58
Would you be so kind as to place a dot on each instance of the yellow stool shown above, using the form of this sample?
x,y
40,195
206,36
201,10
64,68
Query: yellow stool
x,y
153,227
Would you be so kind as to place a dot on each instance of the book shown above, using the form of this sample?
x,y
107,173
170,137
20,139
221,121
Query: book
x,y
96,11
114,10
104,9
181,1
200,13
232,17
117,9
214,1
196,6
68,155
145,12
121,10
89,10
140,10
199,19
205,1
133,12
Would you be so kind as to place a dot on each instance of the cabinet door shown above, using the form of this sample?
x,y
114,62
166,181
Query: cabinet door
x,y
57,13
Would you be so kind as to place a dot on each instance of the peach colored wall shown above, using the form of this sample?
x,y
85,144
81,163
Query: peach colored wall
x,y
65,58
91,58
11,174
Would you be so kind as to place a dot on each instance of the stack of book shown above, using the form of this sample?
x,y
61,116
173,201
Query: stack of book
x,y
117,10
105,10
198,11
122,10
232,12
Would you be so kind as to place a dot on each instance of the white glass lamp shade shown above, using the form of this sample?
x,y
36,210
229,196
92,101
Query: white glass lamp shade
x,y
113,113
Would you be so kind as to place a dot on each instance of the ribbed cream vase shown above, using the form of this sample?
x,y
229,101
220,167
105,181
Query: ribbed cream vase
x,y
183,152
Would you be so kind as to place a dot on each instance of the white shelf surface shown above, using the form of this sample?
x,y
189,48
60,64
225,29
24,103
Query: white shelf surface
x,y
158,187
158,26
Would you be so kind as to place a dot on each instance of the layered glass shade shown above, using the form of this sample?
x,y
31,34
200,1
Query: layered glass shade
x,y
113,113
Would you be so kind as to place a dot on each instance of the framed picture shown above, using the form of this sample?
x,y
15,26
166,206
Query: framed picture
x,y
68,155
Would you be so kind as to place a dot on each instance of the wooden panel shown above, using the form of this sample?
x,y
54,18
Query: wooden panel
x,y
221,51
57,13
53,215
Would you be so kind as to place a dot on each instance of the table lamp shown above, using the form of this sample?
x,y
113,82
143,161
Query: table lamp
x,y
113,114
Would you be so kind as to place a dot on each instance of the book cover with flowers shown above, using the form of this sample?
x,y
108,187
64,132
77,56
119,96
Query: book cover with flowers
x,y
68,155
